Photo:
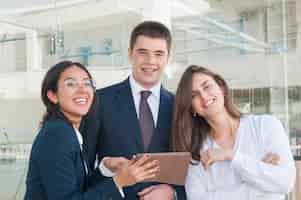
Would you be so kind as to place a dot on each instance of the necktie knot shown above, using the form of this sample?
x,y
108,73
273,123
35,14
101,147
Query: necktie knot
x,y
145,94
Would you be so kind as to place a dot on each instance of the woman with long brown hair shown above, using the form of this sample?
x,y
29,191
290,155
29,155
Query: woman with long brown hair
x,y
235,156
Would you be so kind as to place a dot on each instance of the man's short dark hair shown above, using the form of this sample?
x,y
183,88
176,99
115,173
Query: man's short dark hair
x,y
151,29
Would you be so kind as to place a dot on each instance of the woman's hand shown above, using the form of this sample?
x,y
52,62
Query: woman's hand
x,y
137,170
213,155
271,158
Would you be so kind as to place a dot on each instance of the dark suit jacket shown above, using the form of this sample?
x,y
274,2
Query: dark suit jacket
x,y
56,170
119,131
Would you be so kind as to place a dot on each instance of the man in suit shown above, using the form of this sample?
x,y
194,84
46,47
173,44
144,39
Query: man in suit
x,y
135,115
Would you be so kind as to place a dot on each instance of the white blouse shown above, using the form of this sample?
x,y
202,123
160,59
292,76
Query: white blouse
x,y
246,177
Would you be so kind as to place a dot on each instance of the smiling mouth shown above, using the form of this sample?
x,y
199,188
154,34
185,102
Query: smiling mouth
x,y
148,70
209,102
81,101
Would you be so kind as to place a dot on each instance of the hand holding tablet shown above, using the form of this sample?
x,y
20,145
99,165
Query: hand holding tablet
x,y
173,166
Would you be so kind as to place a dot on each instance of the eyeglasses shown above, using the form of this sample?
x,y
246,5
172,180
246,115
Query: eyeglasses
x,y
73,83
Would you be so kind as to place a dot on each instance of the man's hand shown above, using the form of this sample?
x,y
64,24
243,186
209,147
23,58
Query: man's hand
x,y
155,192
213,155
136,171
115,163
271,158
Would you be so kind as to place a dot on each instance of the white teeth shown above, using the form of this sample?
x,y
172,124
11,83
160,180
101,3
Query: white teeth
x,y
208,103
148,70
80,100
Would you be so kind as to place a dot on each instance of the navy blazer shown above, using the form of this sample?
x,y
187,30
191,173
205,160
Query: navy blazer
x,y
118,127
56,170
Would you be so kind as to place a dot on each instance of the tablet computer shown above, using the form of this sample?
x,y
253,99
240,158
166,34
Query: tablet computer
x,y
173,166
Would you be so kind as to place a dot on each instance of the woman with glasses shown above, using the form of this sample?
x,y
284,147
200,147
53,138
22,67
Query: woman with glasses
x,y
57,167
235,156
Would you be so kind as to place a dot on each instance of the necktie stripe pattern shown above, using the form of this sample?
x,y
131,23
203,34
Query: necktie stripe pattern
x,y
146,120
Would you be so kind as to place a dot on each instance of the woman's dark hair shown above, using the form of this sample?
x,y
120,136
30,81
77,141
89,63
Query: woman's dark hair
x,y
50,82
188,131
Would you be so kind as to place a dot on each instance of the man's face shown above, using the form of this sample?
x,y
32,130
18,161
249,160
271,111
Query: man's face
x,y
148,57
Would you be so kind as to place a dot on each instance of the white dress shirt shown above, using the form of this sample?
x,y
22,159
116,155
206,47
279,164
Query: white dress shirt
x,y
153,99
80,141
247,177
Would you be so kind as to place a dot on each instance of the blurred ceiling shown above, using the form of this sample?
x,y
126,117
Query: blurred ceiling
x,y
217,21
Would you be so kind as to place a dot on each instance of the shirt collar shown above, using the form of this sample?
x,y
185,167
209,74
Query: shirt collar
x,y
79,136
137,88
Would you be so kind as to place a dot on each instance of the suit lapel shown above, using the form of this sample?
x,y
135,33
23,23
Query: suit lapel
x,y
128,113
164,109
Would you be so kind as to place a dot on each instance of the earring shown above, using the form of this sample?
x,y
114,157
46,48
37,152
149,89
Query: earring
x,y
194,114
